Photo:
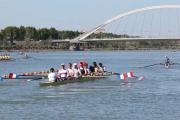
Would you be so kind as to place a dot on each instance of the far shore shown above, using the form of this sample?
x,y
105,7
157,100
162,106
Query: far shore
x,y
105,50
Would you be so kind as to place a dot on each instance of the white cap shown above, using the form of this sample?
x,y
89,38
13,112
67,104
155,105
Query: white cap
x,y
62,64
75,64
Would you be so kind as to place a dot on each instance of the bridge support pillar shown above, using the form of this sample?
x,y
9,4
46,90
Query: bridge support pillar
x,y
74,46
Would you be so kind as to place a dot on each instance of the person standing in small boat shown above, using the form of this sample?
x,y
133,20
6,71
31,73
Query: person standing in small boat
x,y
70,72
52,76
62,73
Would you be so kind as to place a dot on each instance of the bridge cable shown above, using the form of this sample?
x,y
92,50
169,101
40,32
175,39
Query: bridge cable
x,y
133,26
178,25
151,24
169,29
177,22
142,25
109,27
125,27
160,23
117,27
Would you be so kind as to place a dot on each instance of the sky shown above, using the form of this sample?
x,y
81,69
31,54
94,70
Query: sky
x,y
80,15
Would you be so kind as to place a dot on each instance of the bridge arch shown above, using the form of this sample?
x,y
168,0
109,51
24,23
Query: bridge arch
x,y
86,34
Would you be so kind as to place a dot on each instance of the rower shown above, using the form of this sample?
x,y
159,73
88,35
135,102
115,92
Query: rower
x,y
167,61
96,67
102,69
81,69
62,73
76,71
86,69
91,70
70,72
52,75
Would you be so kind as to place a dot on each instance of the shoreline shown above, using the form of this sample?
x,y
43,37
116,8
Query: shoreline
x,y
105,50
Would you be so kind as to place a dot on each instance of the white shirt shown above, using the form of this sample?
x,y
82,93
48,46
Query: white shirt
x,y
76,73
52,77
62,73
70,72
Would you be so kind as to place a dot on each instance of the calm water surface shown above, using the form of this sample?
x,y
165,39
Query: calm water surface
x,y
155,98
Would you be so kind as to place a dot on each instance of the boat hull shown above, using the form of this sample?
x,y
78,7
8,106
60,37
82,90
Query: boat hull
x,y
73,80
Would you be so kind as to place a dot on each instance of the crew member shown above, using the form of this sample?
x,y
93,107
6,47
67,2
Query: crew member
x,y
52,75
62,73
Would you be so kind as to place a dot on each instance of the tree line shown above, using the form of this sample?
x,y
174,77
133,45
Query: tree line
x,y
12,33
22,33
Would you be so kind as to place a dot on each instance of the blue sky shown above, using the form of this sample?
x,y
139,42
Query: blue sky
x,y
67,14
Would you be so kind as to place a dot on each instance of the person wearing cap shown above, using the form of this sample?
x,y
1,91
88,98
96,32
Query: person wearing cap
x,y
70,72
76,71
52,76
62,73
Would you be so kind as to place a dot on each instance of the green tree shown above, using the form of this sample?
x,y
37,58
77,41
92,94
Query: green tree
x,y
1,36
10,33
22,33
31,33
44,34
53,33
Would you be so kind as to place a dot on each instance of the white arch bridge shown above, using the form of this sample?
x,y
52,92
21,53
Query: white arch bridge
x,y
85,36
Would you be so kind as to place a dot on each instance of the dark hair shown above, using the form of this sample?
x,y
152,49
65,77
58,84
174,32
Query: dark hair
x,y
94,64
91,69
100,64
52,70
70,64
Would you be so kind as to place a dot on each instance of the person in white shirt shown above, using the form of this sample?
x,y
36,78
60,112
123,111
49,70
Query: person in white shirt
x,y
76,71
62,73
52,75
70,72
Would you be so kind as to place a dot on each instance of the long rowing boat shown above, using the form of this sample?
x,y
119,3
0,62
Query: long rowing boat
x,y
73,80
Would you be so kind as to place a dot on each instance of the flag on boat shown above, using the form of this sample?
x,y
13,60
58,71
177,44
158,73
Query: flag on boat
x,y
123,76
141,78
130,74
118,77
12,75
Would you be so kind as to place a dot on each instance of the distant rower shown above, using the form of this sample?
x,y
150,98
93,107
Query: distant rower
x,y
167,62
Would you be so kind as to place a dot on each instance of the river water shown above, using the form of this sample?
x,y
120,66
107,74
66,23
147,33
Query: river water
x,y
155,98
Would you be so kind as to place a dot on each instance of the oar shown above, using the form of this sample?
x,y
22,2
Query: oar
x,y
175,63
151,65
113,73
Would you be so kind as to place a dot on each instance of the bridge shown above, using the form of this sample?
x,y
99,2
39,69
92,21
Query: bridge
x,y
165,34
